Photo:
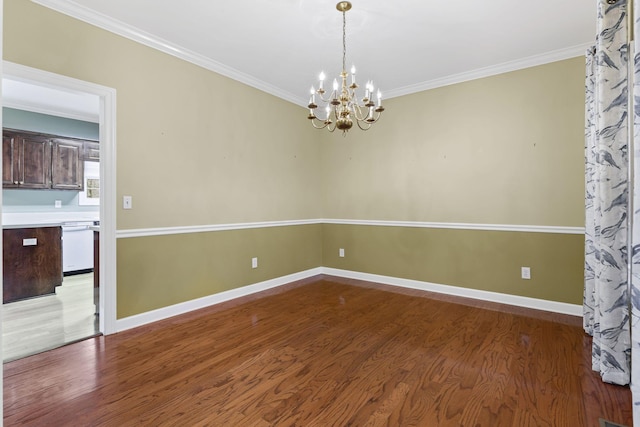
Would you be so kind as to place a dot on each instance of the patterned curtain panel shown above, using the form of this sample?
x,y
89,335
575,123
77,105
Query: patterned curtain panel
x,y
635,237
606,293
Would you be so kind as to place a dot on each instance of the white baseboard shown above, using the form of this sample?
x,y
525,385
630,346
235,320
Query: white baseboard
x,y
196,304
538,304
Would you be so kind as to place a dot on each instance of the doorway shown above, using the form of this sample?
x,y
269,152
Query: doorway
x,y
44,92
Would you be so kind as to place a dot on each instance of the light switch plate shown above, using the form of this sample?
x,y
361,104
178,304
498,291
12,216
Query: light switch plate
x,y
127,202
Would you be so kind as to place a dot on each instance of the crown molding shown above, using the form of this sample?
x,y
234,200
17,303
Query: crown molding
x,y
104,22
89,16
505,67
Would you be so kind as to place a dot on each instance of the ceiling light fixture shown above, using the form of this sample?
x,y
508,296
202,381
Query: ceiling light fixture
x,y
342,107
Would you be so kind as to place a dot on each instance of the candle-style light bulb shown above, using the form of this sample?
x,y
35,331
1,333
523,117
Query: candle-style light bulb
x,y
328,110
379,98
312,99
321,79
353,74
335,84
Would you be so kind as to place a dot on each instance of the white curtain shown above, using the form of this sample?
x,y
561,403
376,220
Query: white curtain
x,y
606,292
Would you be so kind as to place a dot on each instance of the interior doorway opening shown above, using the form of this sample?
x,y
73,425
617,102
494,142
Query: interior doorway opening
x,y
44,95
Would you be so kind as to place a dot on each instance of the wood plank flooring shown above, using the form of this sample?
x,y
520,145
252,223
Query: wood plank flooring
x,y
324,352
34,325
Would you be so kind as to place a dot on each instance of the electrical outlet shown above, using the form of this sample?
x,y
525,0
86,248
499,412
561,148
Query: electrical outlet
x,y
254,262
525,273
341,252
57,204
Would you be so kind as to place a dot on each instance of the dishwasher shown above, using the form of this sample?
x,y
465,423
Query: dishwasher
x,y
77,247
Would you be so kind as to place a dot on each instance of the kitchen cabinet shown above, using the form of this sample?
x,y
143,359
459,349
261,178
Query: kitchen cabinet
x,y
32,262
67,165
26,161
91,151
40,161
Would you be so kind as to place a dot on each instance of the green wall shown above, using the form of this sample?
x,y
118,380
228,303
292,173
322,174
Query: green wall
x,y
506,149
476,259
170,269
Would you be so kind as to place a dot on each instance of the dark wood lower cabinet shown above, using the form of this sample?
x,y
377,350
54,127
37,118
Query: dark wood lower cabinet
x,y
32,262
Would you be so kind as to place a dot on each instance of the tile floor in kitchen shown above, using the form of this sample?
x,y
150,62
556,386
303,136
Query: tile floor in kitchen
x,y
38,324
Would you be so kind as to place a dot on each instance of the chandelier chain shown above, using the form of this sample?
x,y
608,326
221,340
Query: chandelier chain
x,y
344,41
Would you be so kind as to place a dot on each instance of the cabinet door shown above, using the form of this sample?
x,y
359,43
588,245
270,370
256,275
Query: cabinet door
x,y
34,162
9,160
67,167
32,262
91,151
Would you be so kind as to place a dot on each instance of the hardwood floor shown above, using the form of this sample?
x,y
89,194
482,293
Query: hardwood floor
x,y
34,325
324,352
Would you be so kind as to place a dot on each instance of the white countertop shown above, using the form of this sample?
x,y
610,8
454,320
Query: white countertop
x,y
46,219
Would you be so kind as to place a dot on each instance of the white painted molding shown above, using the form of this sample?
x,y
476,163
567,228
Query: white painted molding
x,y
145,232
109,24
520,301
132,33
196,304
462,226
531,61
107,125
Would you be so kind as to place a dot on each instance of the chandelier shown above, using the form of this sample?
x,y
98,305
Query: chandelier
x,y
342,107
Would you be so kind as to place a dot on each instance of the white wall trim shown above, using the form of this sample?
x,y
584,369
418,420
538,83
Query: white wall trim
x,y
107,126
531,61
109,24
520,301
161,231
132,33
462,226
199,303
196,304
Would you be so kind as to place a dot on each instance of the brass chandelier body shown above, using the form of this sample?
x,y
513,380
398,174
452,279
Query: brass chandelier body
x,y
342,106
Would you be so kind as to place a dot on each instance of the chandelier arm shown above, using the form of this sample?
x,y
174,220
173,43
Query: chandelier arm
x,y
364,128
357,112
327,100
323,125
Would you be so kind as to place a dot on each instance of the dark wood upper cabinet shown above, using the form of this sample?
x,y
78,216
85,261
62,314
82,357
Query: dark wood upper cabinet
x,y
91,151
31,160
9,171
67,166
26,161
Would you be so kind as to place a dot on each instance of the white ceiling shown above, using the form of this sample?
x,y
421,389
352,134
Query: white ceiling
x,y
23,95
280,46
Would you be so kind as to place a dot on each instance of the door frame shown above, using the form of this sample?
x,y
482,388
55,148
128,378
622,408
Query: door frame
x,y
107,129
